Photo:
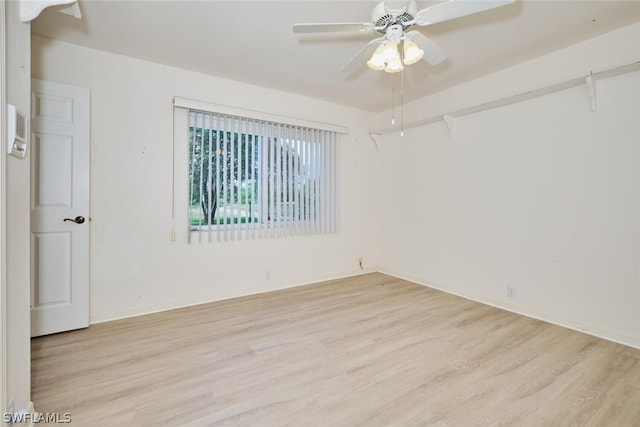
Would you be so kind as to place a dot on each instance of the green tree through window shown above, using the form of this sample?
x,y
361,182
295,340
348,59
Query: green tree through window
x,y
251,174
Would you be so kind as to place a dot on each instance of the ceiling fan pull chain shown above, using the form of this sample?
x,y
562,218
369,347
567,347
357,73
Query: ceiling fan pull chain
x,y
402,103
393,107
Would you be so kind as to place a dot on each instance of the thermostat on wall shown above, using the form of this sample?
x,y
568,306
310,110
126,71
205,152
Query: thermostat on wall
x,y
17,130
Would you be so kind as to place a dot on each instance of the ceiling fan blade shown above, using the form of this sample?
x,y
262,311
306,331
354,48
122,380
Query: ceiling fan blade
x,y
454,9
332,27
359,57
433,53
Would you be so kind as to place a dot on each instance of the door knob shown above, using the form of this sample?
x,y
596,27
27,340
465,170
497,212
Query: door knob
x,y
77,220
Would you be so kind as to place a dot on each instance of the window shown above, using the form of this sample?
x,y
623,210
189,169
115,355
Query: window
x,y
251,178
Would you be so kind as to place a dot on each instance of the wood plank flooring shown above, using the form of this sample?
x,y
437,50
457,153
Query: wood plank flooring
x,y
365,351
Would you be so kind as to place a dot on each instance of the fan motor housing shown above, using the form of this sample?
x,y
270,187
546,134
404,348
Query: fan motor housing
x,y
389,13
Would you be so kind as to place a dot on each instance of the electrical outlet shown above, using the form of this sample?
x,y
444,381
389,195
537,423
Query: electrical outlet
x,y
511,291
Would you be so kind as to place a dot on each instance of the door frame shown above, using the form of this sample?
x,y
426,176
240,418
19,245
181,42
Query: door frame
x,y
3,204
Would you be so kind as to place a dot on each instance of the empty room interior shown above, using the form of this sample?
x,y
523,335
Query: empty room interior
x,y
320,213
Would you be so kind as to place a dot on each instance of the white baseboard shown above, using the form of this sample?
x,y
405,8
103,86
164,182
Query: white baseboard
x,y
31,410
214,298
624,339
628,340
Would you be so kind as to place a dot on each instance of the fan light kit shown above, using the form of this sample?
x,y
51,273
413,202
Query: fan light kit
x,y
387,55
397,48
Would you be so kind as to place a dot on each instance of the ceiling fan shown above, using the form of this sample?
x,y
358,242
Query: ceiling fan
x,y
392,19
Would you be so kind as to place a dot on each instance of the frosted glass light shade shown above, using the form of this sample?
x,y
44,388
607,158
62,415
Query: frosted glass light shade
x,y
390,52
394,66
412,53
377,60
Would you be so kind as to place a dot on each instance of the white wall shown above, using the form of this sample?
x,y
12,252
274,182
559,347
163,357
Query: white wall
x,y
18,347
3,209
135,267
543,195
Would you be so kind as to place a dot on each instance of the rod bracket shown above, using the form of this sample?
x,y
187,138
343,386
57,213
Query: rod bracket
x,y
373,137
451,122
591,83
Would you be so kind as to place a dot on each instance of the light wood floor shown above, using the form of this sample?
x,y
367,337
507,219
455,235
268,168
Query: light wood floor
x,y
365,351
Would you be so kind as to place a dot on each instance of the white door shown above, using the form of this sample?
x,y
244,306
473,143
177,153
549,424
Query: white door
x,y
60,207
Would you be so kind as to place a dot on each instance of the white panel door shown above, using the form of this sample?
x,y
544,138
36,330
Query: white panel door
x,y
60,208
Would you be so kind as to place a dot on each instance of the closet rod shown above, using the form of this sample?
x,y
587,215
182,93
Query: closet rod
x,y
567,84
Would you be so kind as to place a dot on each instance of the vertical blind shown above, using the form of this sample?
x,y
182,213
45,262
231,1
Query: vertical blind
x,y
254,179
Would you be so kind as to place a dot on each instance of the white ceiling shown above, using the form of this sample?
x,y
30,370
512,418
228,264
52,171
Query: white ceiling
x,y
252,41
